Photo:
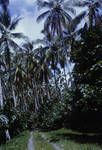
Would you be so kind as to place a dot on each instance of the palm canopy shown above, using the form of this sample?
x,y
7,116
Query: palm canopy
x,y
35,62
7,34
56,16
7,25
4,4
94,7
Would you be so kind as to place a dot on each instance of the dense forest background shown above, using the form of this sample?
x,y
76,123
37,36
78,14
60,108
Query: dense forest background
x,y
56,81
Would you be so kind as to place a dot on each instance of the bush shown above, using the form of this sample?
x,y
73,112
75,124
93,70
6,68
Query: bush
x,y
3,126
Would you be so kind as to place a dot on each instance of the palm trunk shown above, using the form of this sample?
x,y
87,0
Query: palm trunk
x,y
14,97
55,80
8,63
65,76
1,95
35,95
58,90
8,137
90,19
47,91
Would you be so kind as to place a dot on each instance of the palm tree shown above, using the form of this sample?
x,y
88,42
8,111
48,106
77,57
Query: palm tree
x,y
54,55
7,26
42,74
8,45
2,69
56,16
94,7
7,42
33,66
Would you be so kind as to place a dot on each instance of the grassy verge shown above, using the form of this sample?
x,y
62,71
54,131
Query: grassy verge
x,y
70,140
40,143
18,143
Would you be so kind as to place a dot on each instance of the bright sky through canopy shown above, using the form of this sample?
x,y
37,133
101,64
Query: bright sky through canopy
x,y
28,11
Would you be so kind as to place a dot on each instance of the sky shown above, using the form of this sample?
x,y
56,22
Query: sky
x,y
27,9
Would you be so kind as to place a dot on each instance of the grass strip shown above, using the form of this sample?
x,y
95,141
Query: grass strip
x,y
40,143
18,143
71,140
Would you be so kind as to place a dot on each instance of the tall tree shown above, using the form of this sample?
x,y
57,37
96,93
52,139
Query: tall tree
x,y
7,40
93,11
56,16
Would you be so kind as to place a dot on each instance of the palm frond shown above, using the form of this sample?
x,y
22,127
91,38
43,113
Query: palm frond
x,y
19,36
69,18
1,41
2,28
42,16
14,23
28,46
75,22
5,18
39,41
81,4
44,4
14,45
4,119
70,9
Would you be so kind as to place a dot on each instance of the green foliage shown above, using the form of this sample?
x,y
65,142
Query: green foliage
x,y
87,56
3,126
87,96
41,143
51,115
56,17
69,139
18,143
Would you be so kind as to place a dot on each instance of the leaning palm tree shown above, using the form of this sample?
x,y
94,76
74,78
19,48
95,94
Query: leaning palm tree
x,y
93,11
56,16
42,75
7,26
7,40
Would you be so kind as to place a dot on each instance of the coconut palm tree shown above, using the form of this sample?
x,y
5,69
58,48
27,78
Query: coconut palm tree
x,y
42,73
56,16
93,11
8,36
7,26
8,46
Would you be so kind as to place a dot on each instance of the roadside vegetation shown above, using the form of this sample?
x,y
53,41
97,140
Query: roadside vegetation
x,y
41,143
72,140
18,143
